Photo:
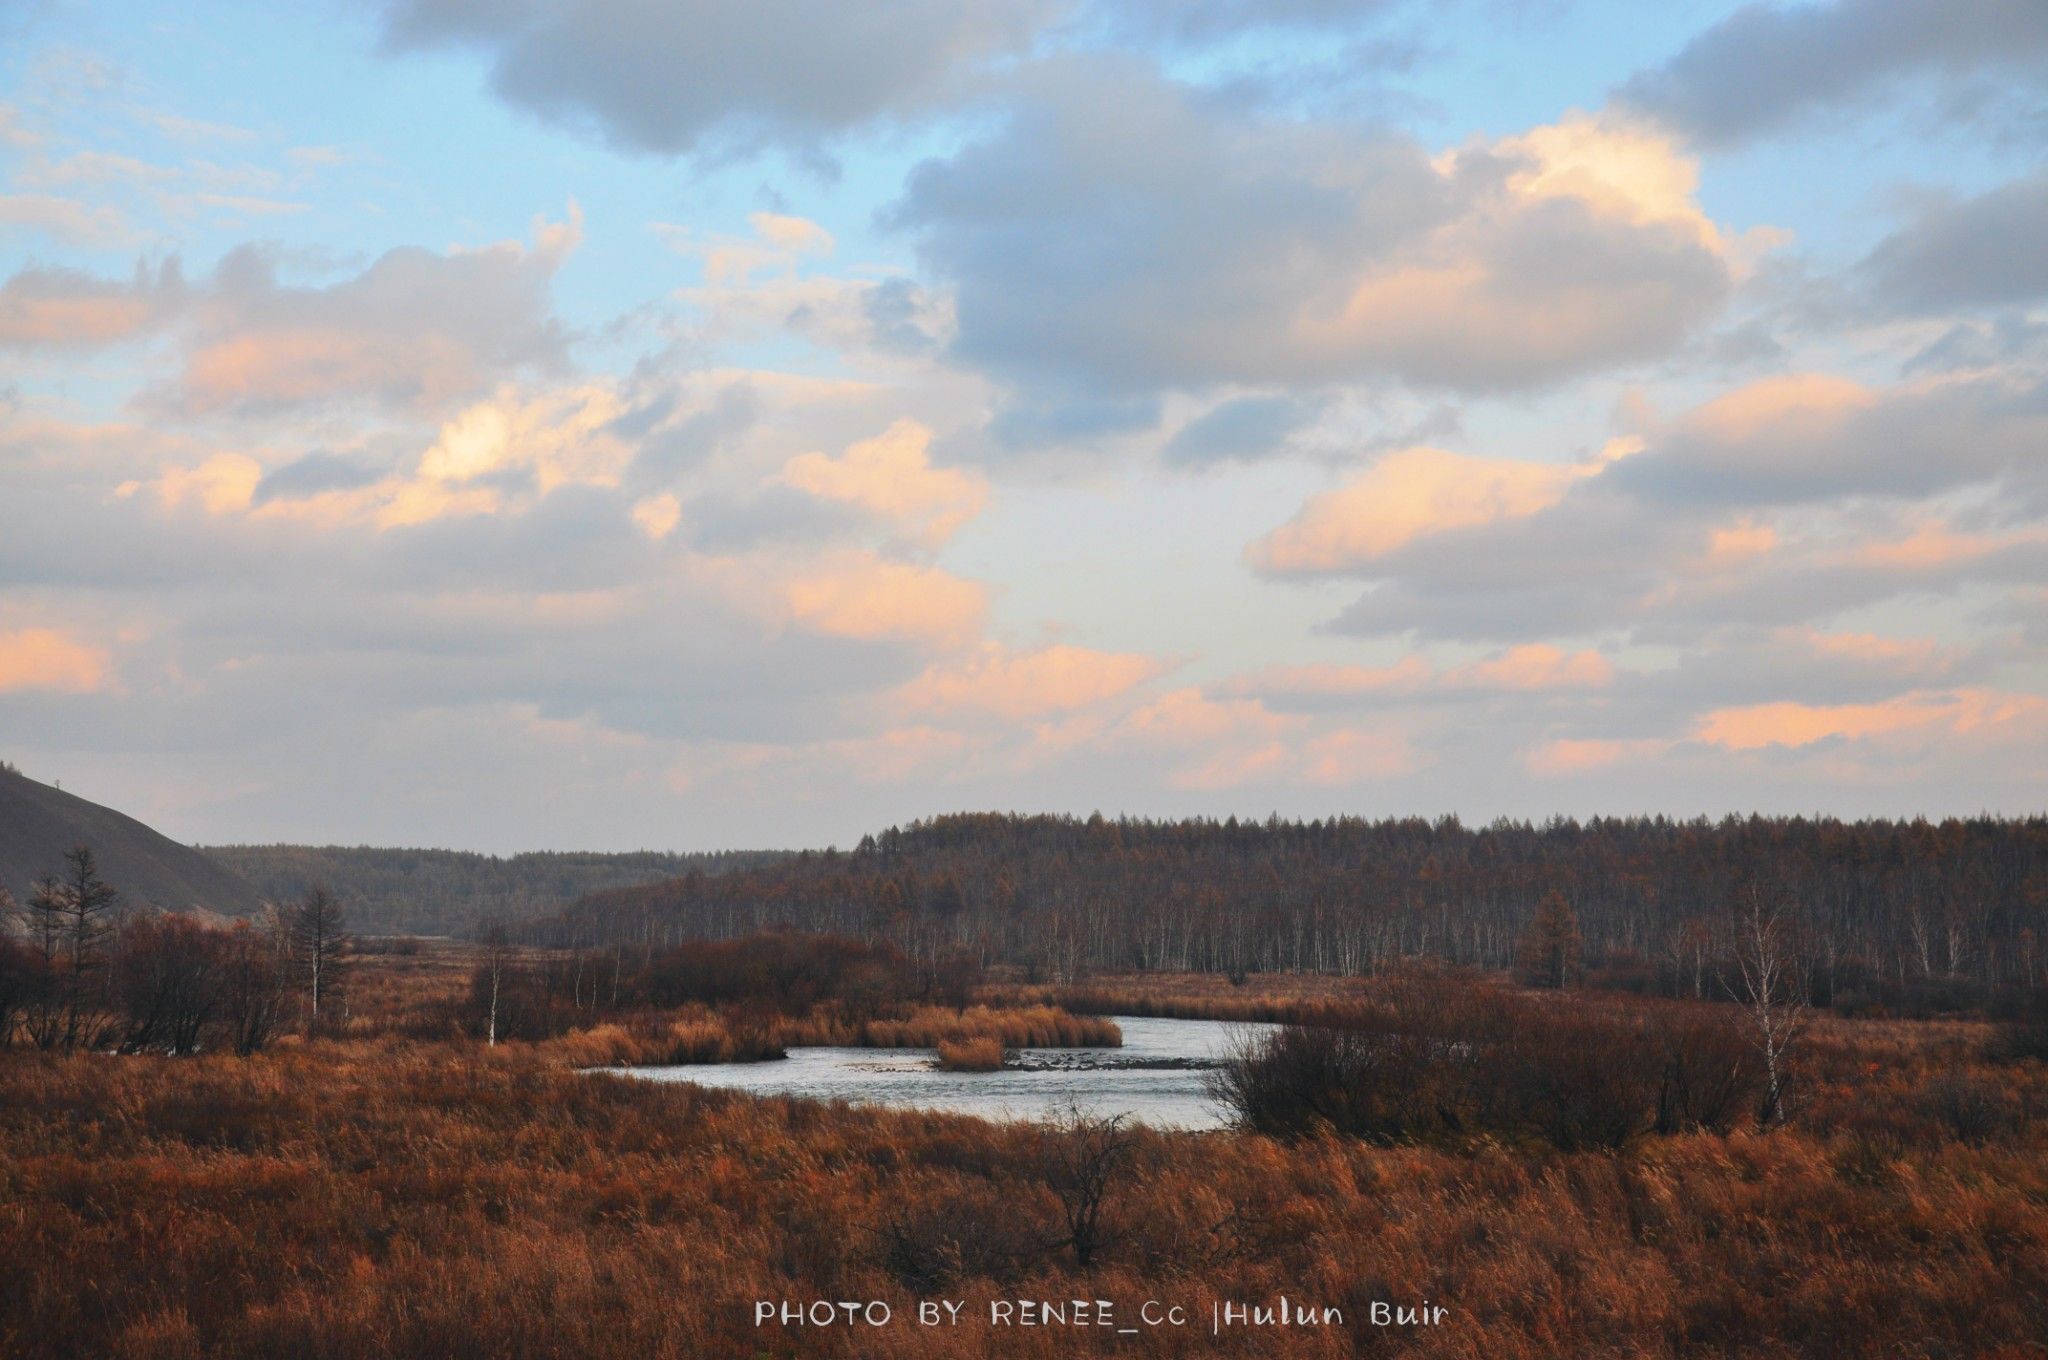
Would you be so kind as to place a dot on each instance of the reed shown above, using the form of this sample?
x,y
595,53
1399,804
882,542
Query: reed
x,y
982,1054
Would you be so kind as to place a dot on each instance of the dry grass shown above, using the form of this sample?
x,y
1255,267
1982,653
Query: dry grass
x,y
1277,998
697,1034
340,1199
354,1199
970,1055
1010,1027
698,1037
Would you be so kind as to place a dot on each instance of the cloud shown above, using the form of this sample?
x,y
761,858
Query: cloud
x,y
1807,437
50,659
1122,235
504,454
1405,496
1767,65
1929,716
64,219
416,331
1228,742
223,483
413,333
1188,717
654,77
1227,18
1529,668
1986,251
43,308
1244,429
891,477
1572,756
999,682
658,516
764,284
862,596
1783,502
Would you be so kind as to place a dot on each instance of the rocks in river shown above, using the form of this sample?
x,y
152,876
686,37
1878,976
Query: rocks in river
x,y
1051,1060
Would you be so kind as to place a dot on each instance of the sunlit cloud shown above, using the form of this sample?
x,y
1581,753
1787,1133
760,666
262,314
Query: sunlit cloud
x,y
51,659
891,476
1929,716
870,598
1406,496
999,682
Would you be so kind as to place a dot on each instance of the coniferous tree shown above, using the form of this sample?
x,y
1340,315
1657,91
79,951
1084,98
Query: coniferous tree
x,y
1548,953
320,948
70,919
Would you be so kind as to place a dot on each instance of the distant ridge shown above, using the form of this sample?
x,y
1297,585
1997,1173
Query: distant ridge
x,y
38,824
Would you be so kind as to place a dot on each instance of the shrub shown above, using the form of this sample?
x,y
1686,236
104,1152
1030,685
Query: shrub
x,y
1438,1061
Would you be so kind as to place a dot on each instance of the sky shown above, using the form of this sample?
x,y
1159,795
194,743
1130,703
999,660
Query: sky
x,y
603,424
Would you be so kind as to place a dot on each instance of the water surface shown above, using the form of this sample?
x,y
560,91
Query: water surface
x,y
1101,1081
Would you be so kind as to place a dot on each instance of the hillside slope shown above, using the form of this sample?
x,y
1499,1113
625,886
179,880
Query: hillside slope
x,y
38,824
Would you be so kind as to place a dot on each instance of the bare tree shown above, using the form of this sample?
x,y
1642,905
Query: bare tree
x,y
320,948
20,969
167,984
1769,985
254,979
491,976
1082,1159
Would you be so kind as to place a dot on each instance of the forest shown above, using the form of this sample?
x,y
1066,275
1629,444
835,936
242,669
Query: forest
x,y
1935,914
447,892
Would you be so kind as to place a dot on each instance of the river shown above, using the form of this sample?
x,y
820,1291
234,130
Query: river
x,y
1156,1077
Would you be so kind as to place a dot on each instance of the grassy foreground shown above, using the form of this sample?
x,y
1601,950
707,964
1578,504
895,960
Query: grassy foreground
x,y
390,1196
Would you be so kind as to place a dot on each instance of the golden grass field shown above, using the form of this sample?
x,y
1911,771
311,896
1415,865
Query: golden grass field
x,y
387,1194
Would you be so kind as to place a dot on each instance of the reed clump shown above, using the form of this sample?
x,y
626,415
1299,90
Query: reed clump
x,y
981,1054
1014,1027
700,1038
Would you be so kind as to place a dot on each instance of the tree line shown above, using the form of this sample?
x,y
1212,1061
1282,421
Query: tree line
x,y
82,971
447,892
1877,907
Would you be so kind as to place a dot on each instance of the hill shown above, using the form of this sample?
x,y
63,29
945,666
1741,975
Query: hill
x,y
38,824
445,892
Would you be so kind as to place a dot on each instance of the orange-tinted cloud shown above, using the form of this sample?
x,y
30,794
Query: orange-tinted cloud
x,y
1532,666
1932,715
1405,496
417,330
860,595
1568,756
61,308
1538,665
223,483
1790,406
891,476
1918,654
50,659
1933,544
1028,684
1354,755
658,516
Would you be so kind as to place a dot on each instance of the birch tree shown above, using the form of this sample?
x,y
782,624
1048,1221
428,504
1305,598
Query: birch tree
x,y
1769,986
